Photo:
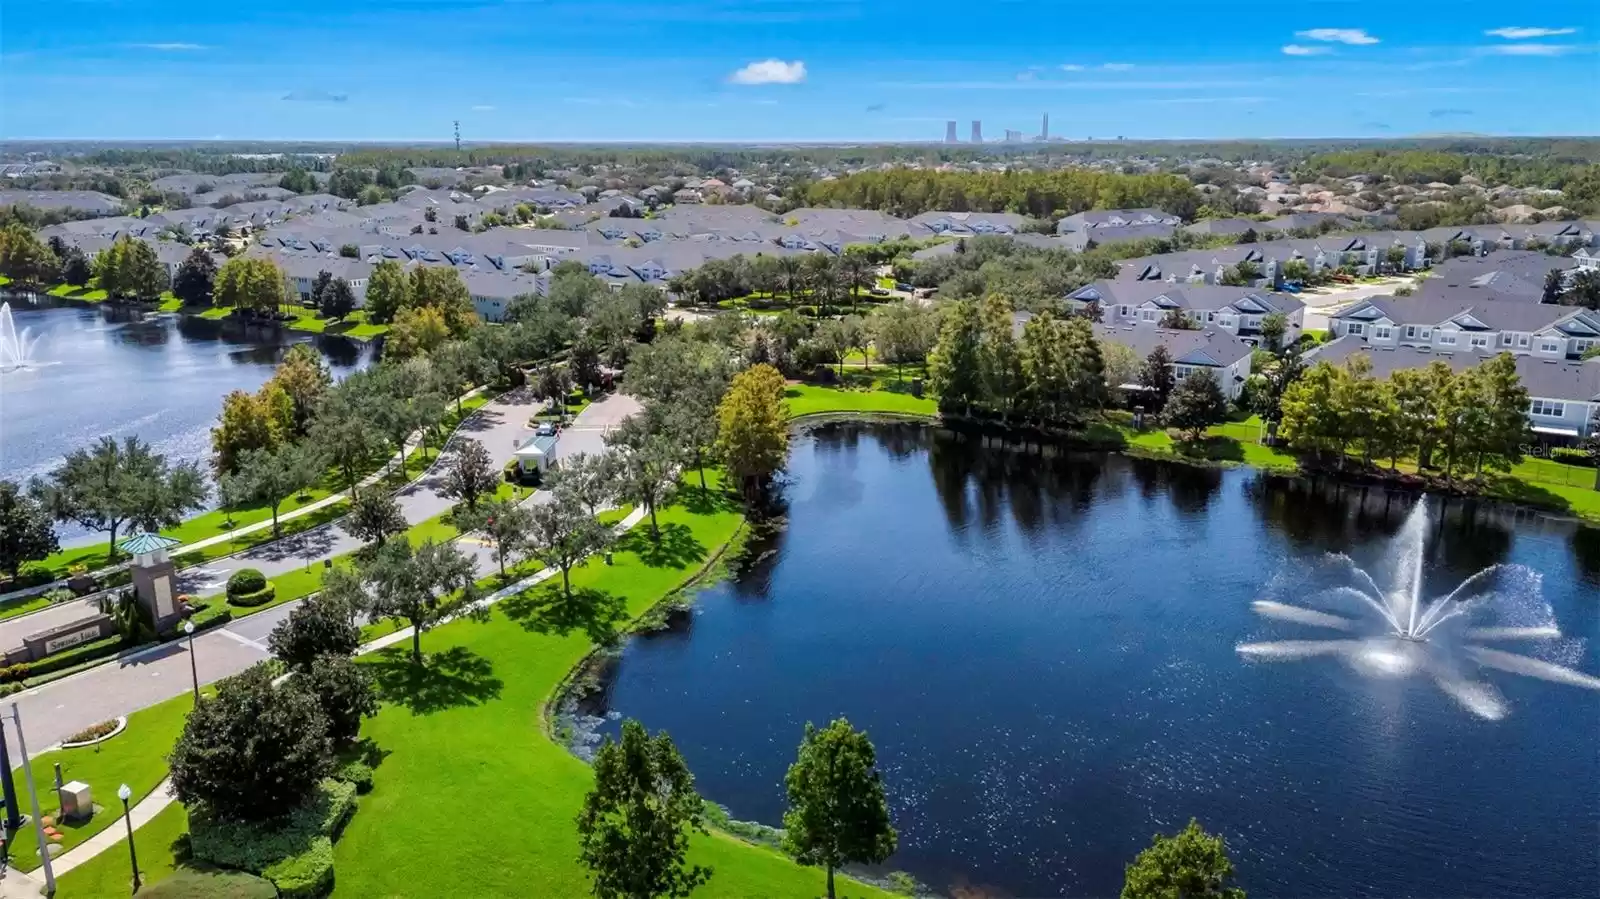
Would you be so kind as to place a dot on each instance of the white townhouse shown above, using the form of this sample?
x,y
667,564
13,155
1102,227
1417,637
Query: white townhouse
x,y
1453,322
1239,311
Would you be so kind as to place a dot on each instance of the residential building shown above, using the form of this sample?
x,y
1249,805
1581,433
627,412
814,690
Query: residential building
x,y
1226,357
1238,311
1564,395
1463,321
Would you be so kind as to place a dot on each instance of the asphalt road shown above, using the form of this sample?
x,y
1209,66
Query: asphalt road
x,y
61,708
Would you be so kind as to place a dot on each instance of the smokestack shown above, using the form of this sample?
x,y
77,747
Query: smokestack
x,y
1044,128
977,131
950,131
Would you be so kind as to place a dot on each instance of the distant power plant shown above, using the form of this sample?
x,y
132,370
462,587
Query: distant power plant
x,y
1013,137
1044,128
977,131
950,132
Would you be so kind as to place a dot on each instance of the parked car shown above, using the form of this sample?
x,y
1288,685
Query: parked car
x,y
546,429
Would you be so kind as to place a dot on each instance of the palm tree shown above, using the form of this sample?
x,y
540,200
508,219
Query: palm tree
x,y
821,277
789,275
855,274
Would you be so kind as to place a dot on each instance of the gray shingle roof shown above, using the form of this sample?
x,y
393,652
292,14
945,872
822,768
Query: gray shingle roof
x,y
1544,378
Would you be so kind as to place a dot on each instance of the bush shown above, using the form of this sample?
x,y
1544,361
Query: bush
x,y
195,883
344,691
246,581
256,847
320,626
15,672
1572,456
32,574
93,732
77,655
252,598
59,595
357,774
304,875
252,752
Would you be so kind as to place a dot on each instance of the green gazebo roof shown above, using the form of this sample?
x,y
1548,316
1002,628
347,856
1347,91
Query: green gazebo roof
x,y
147,542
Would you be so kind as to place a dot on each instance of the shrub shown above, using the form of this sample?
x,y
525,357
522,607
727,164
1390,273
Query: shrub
x,y
246,581
320,626
257,846
1572,456
304,875
195,883
251,753
59,595
15,672
252,598
32,574
357,774
93,732
344,691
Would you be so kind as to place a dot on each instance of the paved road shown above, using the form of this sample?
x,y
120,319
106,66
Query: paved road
x,y
56,710
501,426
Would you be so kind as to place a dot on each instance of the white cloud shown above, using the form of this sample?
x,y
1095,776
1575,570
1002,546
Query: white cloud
x,y
1025,76
1530,49
1357,36
1304,50
1522,34
770,71
170,47
1070,67
483,108
1117,66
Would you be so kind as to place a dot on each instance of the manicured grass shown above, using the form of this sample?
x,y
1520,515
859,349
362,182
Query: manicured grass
x,y
807,399
70,292
354,325
215,313
468,725
136,757
106,875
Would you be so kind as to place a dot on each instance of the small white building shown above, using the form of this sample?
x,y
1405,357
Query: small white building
x,y
536,455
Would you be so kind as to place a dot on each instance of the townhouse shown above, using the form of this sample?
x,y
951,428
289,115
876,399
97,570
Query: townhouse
x,y
1462,321
1564,396
1237,311
1226,357
1105,220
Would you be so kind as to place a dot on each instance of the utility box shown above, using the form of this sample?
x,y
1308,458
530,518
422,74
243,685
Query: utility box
x,y
77,804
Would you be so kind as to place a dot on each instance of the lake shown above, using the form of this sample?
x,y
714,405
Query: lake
x,y
1044,651
114,371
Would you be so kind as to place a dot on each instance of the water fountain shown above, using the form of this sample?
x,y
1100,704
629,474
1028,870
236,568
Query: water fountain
x,y
16,350
1395,633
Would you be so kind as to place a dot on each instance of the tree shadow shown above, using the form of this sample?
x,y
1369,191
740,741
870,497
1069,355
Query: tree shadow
x,y
707,501
453,678
1214,448
547,610
675,547
366,751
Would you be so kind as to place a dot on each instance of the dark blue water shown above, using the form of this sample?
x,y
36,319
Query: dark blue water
x,y
120,372
1043,653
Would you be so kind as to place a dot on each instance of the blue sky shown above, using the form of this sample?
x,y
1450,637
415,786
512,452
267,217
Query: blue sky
x,y
684,70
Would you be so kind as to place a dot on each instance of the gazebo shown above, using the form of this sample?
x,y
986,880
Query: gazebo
x,y
153,577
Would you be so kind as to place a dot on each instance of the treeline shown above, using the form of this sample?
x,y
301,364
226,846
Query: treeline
x,y
213,160
1051,194
1473,419
1425,166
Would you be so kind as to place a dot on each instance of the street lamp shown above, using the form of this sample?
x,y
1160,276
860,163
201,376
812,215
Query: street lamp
x,y
125,794
188,629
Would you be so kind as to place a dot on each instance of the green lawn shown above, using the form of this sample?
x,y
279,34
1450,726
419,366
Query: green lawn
x,y
469,727
355,325
808,399
136,757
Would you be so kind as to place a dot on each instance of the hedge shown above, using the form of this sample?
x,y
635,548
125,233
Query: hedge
x,y
253,598
196,883
304,875
245,581
255,847
357,773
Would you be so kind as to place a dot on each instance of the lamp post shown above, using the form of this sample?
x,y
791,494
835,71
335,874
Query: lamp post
x,y
125,794
188,629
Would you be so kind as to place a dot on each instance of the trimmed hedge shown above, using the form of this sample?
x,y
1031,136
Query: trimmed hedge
x,y
196,883
253,598
358,774
246,581
296,853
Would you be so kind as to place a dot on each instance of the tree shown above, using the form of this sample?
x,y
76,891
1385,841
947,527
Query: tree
x,y
244,425
1311,415
1156,376
903,333
648,474
388,291
336,300
561,533
1274,325
633,832
505,524
298,180
196,277
585,363
1122,364
341,429
415,332
374,517
1196,403
26,259
111,484
753,427
838,812
470,474
254,752
1191,865
1502,403
691,422
953,367
250,283
129,269
420,587
589,479
273,475
323,624
304,378
75,268
1178,320
1297,270
343,690
26,533
441,289
1584,290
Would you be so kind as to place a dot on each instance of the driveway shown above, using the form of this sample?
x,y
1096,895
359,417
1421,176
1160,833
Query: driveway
x,y
61,708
